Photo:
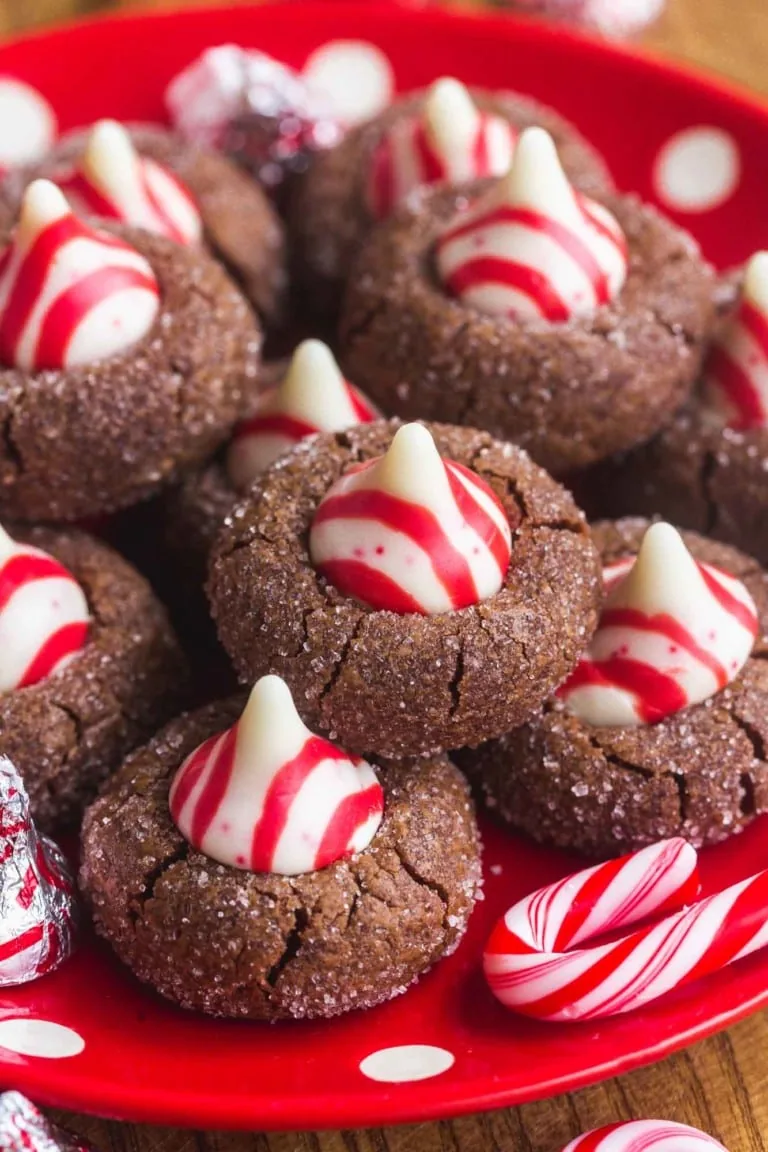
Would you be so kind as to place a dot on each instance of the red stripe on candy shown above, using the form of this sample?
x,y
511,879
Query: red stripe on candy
x,y
379,591
89,194
671,629
67,640
71,308
486,270
214,789
26,569
288,426
21,943
730,603
657,695
738,387
352,813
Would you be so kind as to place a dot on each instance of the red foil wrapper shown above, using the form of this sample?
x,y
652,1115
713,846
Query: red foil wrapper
x,y
257,111
23,1128
37,891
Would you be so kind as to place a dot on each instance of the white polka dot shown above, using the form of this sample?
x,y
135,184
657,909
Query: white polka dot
x,y
356,77
27,123
697,169
40,1038
406,1064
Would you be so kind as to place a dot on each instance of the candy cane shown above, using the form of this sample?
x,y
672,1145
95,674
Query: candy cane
x,y
534,965
644,1136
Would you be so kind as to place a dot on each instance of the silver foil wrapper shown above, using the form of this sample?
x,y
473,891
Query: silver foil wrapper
x,y
38,910
23,1128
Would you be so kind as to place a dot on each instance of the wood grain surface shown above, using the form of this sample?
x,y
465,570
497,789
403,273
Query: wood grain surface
x,y
720,1085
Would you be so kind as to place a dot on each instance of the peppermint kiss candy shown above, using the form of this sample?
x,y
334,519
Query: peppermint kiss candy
x,y
44,616
542,960
411,532
69,295
23,1128
450,140
114,181
27,124
673,632
313,397
736,369
269,796
37,892
645,1136
532,247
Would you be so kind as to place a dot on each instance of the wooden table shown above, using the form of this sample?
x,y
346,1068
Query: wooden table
x,y
720,1085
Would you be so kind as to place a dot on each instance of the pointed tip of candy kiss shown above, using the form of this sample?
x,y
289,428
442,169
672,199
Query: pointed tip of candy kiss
x,y
449,111
536,176
663,571
412,464
270,706
312,364
42,203
756,280
109,145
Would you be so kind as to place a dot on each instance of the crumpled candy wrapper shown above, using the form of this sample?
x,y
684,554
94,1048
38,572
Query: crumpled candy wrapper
x,y
617,18
24,1129
37,891
256,110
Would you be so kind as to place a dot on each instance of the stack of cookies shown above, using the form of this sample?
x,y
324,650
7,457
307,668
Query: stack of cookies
x,y
413,603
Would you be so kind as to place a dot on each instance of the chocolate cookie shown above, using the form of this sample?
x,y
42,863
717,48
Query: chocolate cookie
x,y
569,393
700,773
331,216
68,731
405,684
82,441
264,946
696,473
241,228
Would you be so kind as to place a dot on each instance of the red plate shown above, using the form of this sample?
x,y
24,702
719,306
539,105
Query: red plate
x,y
700,148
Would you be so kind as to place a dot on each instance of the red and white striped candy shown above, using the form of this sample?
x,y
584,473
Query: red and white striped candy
x,y
268,796
449,141
672,633
44,617
411,532
645,1136
313,397
736,368
69,295
112,180
27,124
531,247
540,961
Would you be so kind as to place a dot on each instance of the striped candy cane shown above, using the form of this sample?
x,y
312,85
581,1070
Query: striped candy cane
x,y
644,1136
540,962
736,369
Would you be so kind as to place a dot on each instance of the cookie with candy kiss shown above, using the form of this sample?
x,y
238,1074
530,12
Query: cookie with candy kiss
x,y
147,176
706,470
659,730
371,868
573,325
419,588
313,396
532,248
445,135
112,180
672,633
44,615
448,141
411,532
123,361
89,665
267,795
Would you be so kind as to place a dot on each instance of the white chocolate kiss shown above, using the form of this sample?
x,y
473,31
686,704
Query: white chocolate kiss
x,y
97,322
312,397
690,624
34,612
413,473
531,247
736,369
136,189
273,816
